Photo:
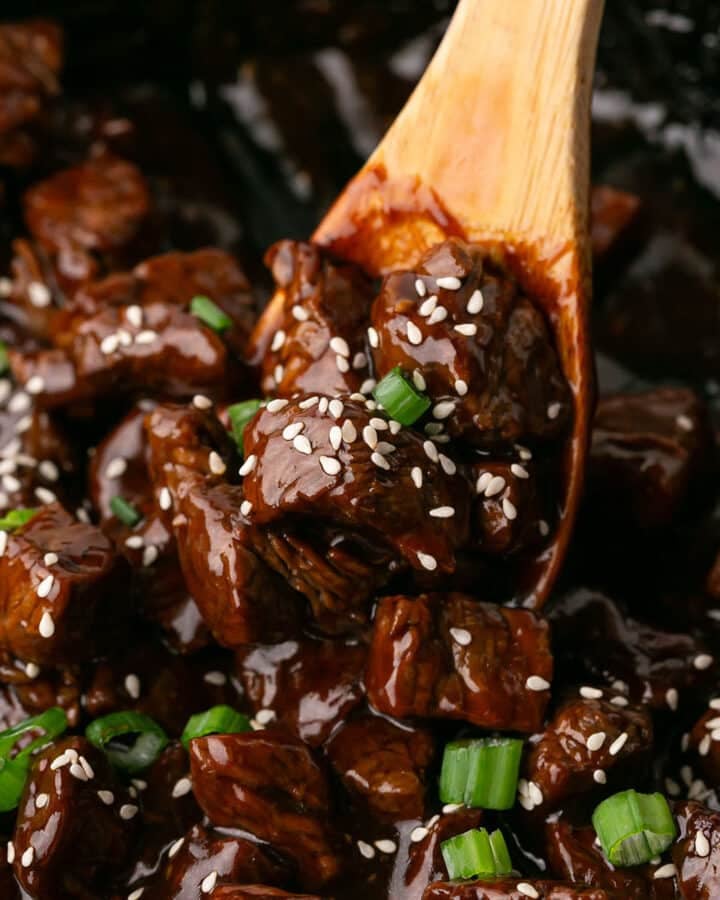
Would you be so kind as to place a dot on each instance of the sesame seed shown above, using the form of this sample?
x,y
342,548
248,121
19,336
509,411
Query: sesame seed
x,y
300,314
200,401
77,771
124,337
150,554
10,853
323,405
543,528
216,463
265,716
116,467
32,670
702,845
704,745
292,430
277,404
208,883
433,428
44,495
703,661
446,464
134,315
553,411
330,465
26,859
349,432
368,386
339,345
342,364
335,437
365,850
495,485
419,834
146,337
414,334
22,425
618,744
536,683
278,373
42,800
3,542
134,542
672,787
427,561
38,294
246,508
175,847
379,424
59,762
482,482
449,283
45,586
596,740
509,509
684,422
379,460
536,795
302,445
35,385
107,797
165,498
216,678
249,464
278,340
336,408
48,470
181,787
519,471
713,723
599,776
10,483
386,846
19,402
461,387
416,475
370,436
619,701
442,512
359,360
420,288
468,329
461,636
666,871
439,314
527,890
136,895
128,811
419,380
109,344
444,409
132,686
427,307
590,693
475,303
373,337
431,451
671,698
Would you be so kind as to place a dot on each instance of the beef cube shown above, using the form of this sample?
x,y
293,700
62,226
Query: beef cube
x,y
696,851
34,294
451,656
646,449
484,351
383,766
30,61
65,592
310,686
81,832
587,743
266,782
508,512
312,335
704,744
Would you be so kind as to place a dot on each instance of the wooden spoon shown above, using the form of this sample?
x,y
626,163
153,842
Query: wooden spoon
x,y
493,146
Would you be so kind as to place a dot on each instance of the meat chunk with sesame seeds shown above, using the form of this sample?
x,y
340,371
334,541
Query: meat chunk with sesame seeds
x,y
65,593
484,351
205,851
312,335
309,686
648,449
346,466
28,690
383,766
451,656
80,835
704,744
267,782
239,596
34,294
509,513
696,851
583,739
516,889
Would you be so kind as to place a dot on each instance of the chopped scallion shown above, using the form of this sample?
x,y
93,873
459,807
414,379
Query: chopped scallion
x,y
476,853
216,720
210,313
15,763
15,518
125,511
633,828
399,398
240,414
131,740
481,773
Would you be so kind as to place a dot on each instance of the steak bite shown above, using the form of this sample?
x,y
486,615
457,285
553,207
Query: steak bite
x,y
312,335
696,852
267,782
483,350
451,656
66,594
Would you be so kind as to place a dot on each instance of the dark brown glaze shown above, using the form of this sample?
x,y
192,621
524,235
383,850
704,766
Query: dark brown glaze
x,y
372,492
316,299
87,217
383,766
29,690
698,871
257,892
612,215
310,686
66,607
268,783
205,851
34,296
240,598
76,841
422,664
647,450
560,764
502,382
650,662
508,889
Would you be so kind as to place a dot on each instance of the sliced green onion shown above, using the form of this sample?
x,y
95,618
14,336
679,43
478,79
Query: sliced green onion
x,y
633,828
210,313
482,773
14,762
216,720
399,398
239,415
476,853
15,518
125,511
4,359
112,733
